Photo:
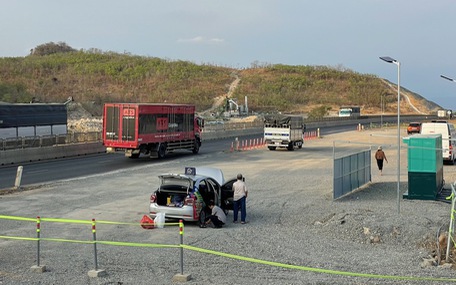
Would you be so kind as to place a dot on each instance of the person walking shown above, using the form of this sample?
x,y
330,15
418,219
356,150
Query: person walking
x,y
239,199
217,217
380,156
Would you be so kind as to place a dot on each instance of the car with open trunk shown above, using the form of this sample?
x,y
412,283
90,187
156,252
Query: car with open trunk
x,y
186,195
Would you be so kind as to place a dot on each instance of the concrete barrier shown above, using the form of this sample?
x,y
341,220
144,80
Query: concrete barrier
x,y
52,152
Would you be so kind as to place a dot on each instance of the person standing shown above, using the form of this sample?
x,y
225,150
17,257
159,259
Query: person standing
x,y
239,199
380,156
217,217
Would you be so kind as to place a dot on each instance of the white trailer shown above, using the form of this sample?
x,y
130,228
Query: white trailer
x,y
283,131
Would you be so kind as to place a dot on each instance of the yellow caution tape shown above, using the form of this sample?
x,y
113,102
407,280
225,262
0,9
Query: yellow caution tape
x,y
238,257
138,244
19,238
318,270
207,251
116,243
58,220
17,218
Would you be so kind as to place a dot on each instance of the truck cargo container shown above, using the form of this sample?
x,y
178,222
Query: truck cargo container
x,y
283,131
153,129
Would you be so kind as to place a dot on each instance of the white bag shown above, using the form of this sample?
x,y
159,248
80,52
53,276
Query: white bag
x,y
159,220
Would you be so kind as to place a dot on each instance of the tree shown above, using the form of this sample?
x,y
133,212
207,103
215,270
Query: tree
x,y
319,112
51,48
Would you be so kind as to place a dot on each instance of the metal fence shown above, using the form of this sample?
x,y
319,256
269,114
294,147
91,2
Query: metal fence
x,y
351,172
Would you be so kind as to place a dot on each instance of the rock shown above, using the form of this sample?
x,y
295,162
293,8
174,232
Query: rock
x,y
375,239
446,266
428,262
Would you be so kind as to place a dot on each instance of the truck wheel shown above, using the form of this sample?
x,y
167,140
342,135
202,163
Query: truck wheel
x,y
272,147
161,153
300,145
290,146
196,147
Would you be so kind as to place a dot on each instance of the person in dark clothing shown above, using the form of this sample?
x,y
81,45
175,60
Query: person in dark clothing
x,y
380,156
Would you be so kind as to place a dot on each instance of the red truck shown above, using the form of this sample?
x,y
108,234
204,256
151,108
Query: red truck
x,y
153,129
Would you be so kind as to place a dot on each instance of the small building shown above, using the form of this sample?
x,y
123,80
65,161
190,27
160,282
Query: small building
x,y
37,119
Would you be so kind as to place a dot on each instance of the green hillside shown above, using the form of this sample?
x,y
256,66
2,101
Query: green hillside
x,y
94,77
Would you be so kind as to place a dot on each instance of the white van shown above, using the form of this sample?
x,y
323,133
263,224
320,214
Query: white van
x,y
448,133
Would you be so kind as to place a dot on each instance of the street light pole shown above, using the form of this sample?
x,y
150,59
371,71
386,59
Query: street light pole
x,y
392,60
381,109
449,112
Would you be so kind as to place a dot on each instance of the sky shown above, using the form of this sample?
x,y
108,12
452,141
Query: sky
x,y
348,34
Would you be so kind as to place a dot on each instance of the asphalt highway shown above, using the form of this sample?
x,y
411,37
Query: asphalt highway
x,y
66,168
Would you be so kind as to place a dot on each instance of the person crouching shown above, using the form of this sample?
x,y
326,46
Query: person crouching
x,y
217,217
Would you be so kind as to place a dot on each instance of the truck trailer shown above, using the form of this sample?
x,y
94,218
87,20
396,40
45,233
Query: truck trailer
x,y
283,131
152,129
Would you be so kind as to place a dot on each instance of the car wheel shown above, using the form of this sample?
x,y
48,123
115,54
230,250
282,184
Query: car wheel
x,y
272,147
202,217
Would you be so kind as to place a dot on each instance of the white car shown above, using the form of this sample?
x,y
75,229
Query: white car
x,y
186,196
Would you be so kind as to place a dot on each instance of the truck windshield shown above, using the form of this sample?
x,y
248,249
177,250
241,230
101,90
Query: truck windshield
x,y
345,112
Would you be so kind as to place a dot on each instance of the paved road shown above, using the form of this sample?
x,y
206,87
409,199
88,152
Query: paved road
x,y
66,168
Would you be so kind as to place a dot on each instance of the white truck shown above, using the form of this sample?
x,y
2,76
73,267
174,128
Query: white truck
x,y
448,133
283,131
441,113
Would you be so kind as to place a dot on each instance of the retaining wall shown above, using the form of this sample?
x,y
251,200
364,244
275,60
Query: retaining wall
x,y
52,152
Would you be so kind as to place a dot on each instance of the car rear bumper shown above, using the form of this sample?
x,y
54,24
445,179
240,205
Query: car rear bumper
x,y
179,213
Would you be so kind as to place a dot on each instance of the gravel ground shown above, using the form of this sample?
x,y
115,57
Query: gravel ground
x,y
293,220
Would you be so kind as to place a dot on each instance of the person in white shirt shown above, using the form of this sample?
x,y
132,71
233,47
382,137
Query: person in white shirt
x,y
239,199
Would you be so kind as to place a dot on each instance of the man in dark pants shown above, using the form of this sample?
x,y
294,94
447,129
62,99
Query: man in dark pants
x,y
239,197
217,217
380,156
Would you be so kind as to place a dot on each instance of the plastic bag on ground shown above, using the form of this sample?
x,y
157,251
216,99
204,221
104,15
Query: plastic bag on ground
x,y
159,220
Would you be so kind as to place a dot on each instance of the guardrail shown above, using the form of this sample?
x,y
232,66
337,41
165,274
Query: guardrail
x,y
49,140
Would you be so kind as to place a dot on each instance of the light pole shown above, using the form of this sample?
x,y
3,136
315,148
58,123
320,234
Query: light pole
x,y
381,108
451,224
449,113
392,60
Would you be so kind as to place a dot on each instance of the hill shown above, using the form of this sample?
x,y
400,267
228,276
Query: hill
x,y
94,77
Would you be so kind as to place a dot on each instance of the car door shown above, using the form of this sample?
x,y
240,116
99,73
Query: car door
x,y
226,196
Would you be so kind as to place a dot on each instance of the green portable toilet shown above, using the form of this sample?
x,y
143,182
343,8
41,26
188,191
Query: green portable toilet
x,y
425,166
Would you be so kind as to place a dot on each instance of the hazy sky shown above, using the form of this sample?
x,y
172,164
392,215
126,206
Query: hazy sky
x,y
420,34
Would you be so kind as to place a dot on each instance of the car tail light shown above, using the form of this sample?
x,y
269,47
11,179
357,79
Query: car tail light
x,y
191,201
153,198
